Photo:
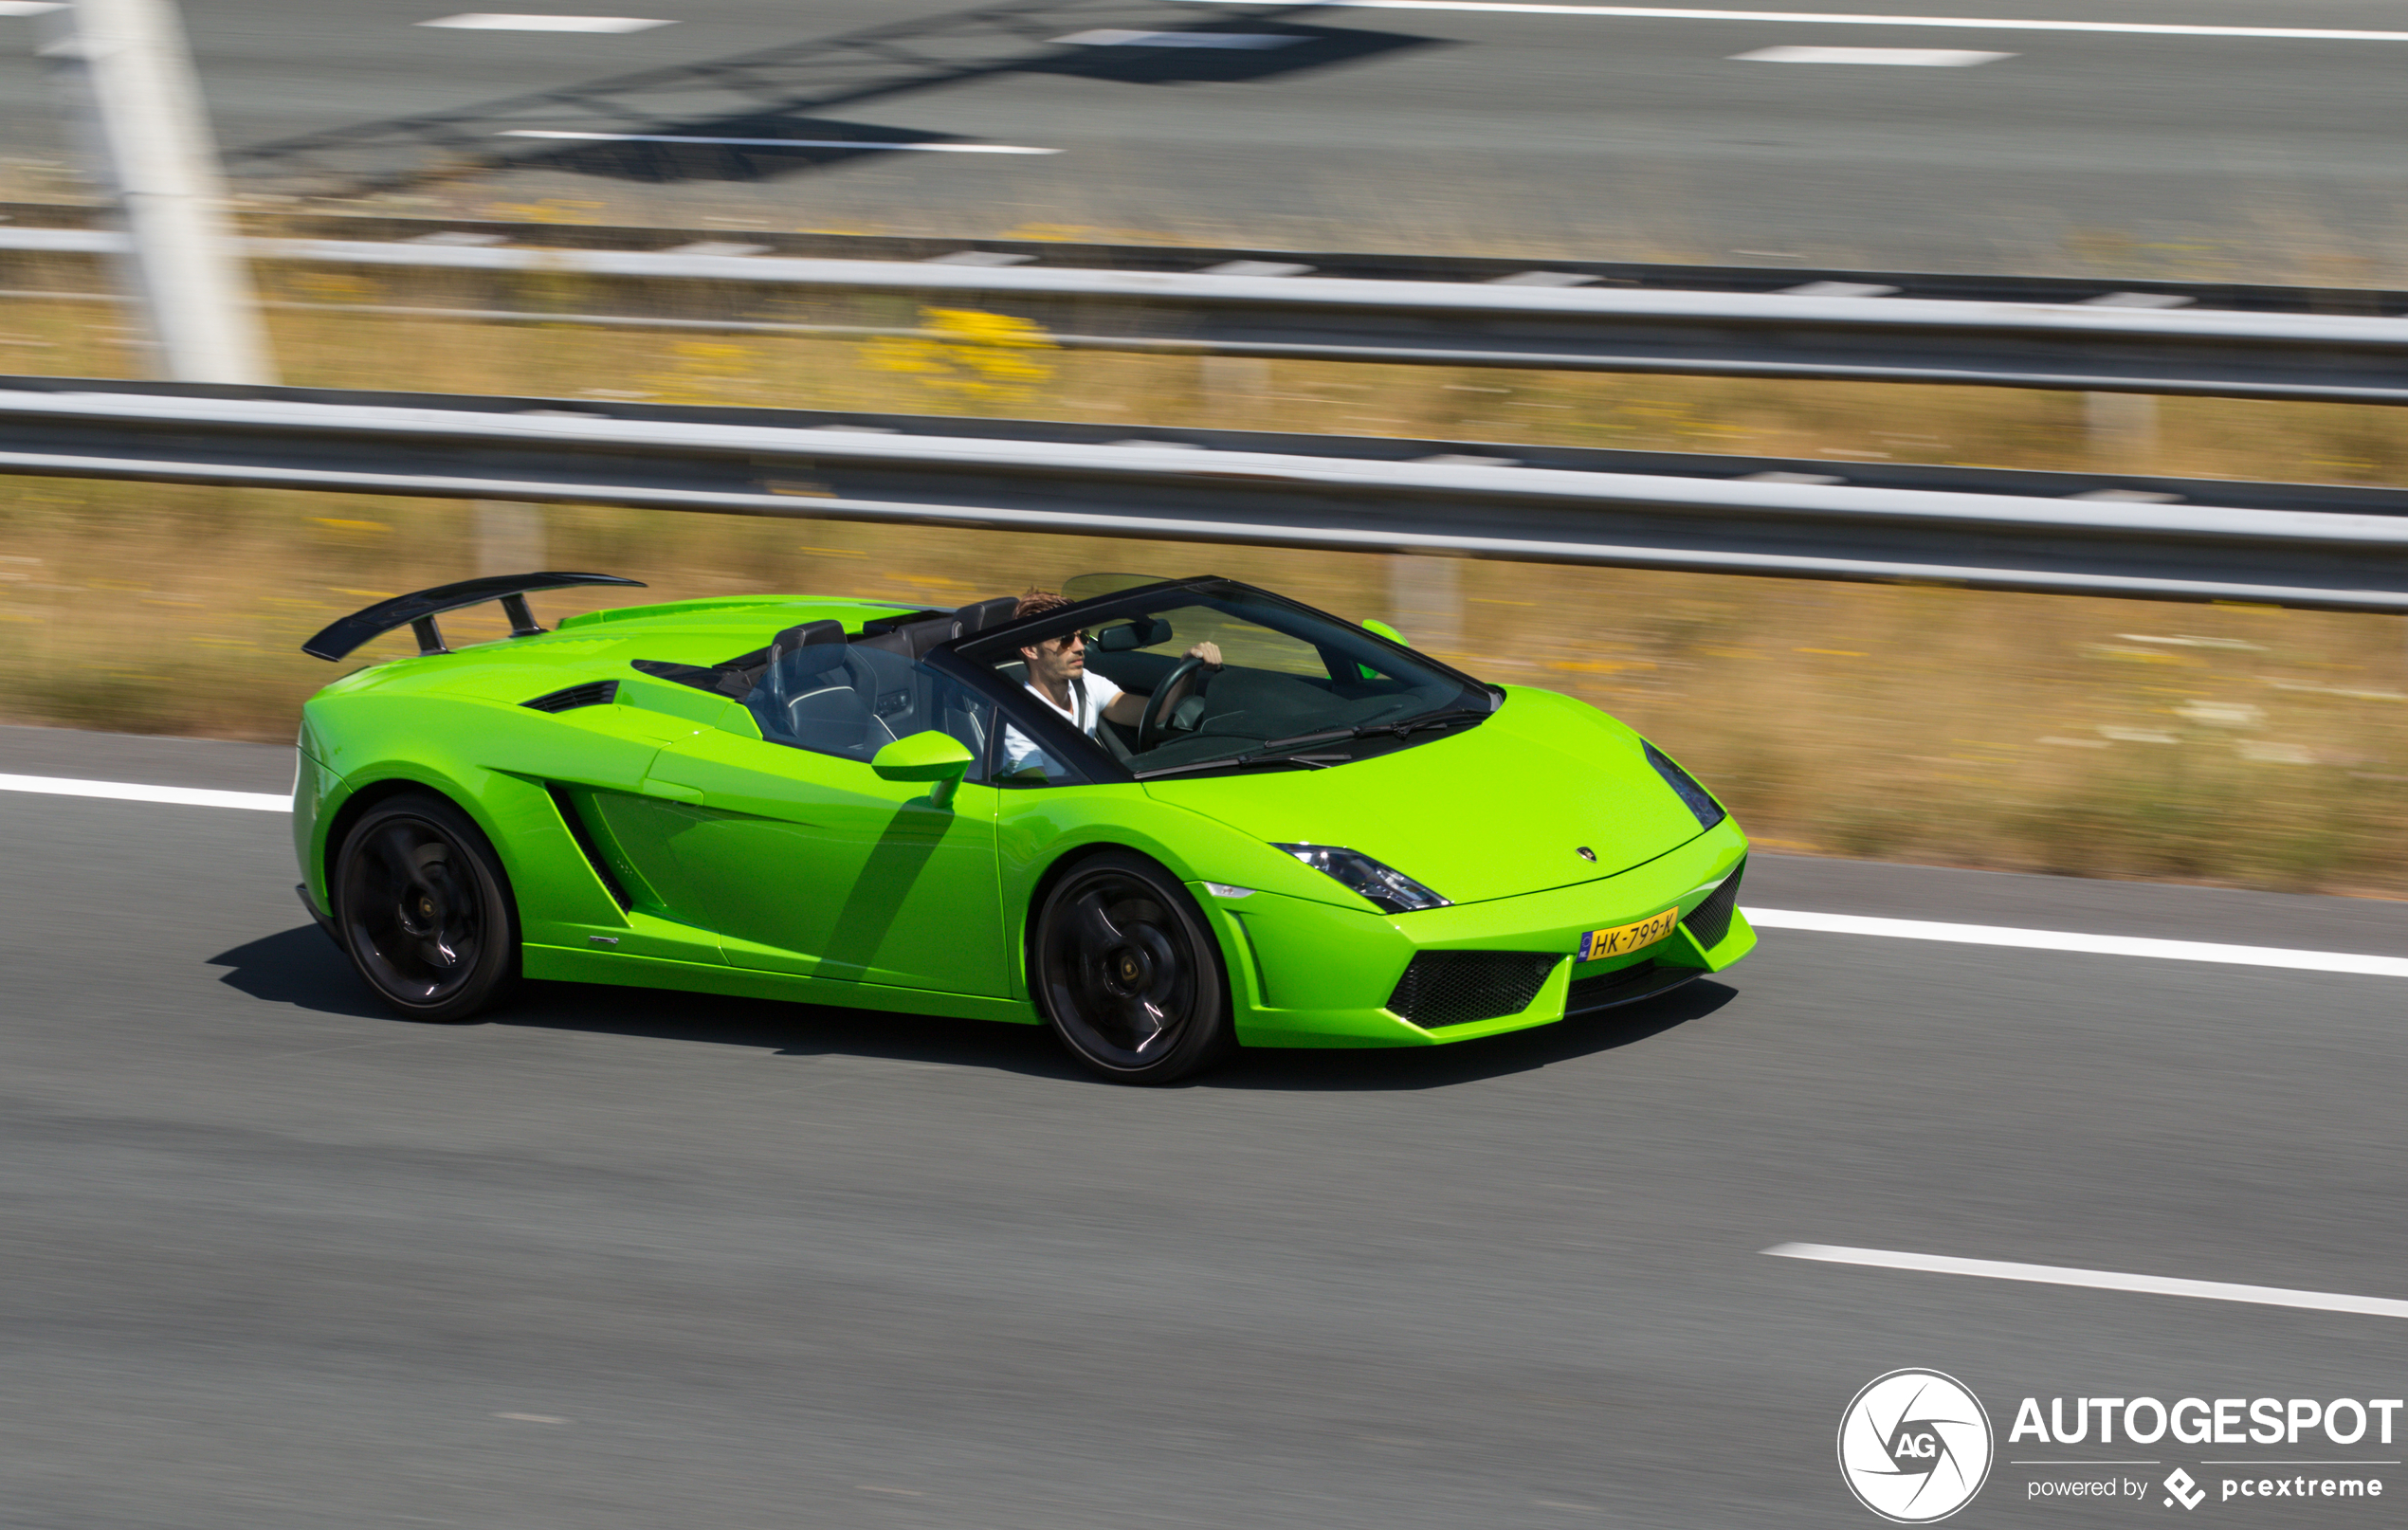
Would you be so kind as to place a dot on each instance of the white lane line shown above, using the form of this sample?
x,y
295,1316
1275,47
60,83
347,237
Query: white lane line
x,y
2102,1280
187,796
2101,945
777,143
478,21
2142,28
1926,58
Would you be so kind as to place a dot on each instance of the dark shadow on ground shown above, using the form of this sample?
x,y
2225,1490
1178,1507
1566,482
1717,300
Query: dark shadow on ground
x,y
300,967
790,92
755,146
752,148
786,1028
1186,56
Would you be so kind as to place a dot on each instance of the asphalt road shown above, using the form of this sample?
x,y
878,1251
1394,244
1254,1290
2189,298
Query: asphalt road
x,y
626,1259
1425,129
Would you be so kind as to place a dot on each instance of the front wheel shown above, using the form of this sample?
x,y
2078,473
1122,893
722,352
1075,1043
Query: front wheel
x,y
423,908
1128,974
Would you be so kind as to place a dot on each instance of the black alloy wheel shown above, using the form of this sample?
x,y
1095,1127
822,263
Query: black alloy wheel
x,y
1127,971
423,908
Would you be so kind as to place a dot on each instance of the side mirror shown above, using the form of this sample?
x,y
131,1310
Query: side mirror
x,y
937,758
1374,625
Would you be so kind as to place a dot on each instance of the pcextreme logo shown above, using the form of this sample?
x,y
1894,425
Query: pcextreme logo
x,y
1915,1446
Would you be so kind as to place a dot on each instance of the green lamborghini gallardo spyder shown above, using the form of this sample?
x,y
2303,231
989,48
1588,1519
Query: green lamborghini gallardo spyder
x,y
1295,830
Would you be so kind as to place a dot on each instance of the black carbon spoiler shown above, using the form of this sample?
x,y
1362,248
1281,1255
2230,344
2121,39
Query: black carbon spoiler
x,y
418,612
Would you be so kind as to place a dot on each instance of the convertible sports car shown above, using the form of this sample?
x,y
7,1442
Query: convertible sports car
x,y
1327,840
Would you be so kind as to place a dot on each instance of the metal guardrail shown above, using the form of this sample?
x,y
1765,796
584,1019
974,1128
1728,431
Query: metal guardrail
x,y
2319,546
34,221
2246,342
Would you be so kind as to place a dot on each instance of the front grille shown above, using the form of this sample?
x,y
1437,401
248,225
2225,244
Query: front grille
x,y
1712,920
1455,987
593,693
1625,985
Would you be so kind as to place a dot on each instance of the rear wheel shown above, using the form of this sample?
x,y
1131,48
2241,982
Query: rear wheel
x,y
424,909
1128,974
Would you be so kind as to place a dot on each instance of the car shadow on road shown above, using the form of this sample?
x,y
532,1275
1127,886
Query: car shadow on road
x,y
300,967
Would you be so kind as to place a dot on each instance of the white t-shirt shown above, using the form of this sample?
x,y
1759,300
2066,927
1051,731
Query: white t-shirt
x,y
1091,693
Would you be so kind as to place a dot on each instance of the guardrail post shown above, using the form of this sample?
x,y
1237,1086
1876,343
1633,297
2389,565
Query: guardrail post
x,y
510,537
153,152
2122,428
1236,379
1425,596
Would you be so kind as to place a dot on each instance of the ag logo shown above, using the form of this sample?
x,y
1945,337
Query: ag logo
x,y
1914,1445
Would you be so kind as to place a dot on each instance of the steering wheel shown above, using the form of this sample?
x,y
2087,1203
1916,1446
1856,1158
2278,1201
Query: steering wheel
x,y
1153,725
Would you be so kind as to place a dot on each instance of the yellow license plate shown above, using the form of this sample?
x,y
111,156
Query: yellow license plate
x,y
1628,937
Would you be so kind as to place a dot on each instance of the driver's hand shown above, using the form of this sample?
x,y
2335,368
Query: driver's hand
x,y
1209,652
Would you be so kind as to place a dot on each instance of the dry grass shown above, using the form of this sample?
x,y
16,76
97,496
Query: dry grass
x,y
2100,737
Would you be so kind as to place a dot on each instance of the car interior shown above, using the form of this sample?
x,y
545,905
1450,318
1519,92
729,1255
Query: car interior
x,y
819,691
814,687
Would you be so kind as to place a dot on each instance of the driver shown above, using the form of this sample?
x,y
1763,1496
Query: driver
x,y
1058,676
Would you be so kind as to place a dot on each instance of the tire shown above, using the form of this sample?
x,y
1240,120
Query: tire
x,y
424,909
1127,973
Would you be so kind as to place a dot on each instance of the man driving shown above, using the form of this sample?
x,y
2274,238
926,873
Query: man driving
x,y
1058,676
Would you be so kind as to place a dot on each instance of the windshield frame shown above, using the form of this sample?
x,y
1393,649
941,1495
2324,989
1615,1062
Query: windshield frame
x,y
974,656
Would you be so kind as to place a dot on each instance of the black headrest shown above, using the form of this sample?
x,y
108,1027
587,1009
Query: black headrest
x,y
808,648
809,632
985,613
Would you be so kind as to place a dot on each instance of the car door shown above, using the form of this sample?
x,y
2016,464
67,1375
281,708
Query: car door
x,y
802,860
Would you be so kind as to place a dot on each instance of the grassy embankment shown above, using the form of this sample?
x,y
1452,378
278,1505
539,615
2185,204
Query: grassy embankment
x,y
2114,738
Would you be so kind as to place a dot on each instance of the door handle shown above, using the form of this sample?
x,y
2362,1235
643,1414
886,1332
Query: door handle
x,y
672,791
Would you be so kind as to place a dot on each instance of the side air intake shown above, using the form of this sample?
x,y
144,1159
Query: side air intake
x,y
1455,987
593,693
1711,921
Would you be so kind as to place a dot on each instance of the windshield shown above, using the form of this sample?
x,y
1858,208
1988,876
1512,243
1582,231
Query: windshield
x,y
1293,689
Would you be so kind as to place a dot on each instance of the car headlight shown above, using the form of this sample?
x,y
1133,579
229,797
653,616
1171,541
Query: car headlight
x,y
1701,801
1385,885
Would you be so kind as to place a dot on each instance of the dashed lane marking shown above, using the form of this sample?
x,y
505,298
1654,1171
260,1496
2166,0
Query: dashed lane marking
x,y
476,21
184,797
2099,1280
1926,58
2102,945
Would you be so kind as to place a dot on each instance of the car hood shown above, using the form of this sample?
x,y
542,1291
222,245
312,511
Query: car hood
x,y
1496,810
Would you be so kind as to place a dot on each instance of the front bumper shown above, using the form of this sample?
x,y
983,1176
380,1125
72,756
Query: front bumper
x,y
1306,973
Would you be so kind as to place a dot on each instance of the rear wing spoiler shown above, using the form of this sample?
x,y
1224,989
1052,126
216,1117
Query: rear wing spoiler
x,y
418,612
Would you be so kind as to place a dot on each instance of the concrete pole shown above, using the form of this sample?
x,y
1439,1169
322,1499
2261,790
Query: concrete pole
x,y
159,161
